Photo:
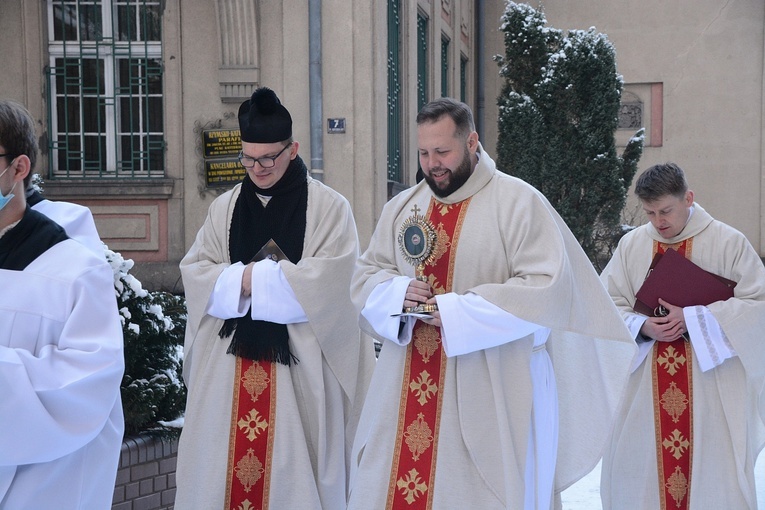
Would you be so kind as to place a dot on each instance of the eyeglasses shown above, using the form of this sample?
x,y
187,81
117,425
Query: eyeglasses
x,y
9,155
265,161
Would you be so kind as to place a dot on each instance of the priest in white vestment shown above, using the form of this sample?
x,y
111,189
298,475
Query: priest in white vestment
x,y
505,394
274,360
61,352
722,404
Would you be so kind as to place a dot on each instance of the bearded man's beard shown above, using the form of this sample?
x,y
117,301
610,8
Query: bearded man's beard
x,y
459,176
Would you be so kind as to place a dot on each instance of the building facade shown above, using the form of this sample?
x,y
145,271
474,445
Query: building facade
x,y
136,100
694,69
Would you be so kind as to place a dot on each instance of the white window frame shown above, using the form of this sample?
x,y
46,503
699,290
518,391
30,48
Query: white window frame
x,y
109,51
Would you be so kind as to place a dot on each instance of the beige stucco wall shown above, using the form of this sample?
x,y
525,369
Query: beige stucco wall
x,y
353,63
709,57
21,78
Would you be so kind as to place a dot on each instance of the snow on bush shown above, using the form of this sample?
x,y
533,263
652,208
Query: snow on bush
x,y
153,395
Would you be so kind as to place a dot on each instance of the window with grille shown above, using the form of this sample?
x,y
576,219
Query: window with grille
x,y
444,66
105,77
395,106
422,60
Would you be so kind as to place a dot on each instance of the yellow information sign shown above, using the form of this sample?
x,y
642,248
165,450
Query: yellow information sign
x,y
224,171
221,142
221,155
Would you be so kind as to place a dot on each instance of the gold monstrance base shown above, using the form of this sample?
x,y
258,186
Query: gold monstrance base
x,y
422,309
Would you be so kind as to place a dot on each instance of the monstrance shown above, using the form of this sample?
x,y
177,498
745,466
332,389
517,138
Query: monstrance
x,y
417,240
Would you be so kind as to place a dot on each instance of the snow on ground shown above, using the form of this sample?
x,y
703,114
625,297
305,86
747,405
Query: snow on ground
x,y
585,494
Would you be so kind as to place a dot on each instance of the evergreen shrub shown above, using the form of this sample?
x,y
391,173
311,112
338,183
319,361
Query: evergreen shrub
x,y
558,116
153,323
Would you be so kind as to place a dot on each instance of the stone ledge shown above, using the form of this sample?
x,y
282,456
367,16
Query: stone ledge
x,y
83,189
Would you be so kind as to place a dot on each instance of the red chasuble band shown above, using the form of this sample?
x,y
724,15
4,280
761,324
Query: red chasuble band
x,y
673,410
413,471
252,436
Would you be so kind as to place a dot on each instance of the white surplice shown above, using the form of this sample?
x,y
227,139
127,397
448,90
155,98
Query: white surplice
x,y
77,221
61,364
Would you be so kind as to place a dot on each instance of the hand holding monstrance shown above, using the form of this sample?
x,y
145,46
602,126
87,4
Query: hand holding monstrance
x,y
417,239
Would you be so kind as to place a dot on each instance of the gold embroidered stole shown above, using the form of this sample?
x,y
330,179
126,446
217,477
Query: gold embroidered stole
x,y
251,437
414,458
673,410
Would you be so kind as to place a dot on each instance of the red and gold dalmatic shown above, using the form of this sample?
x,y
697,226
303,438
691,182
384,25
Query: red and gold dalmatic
x,y
673,410
252,435
414,458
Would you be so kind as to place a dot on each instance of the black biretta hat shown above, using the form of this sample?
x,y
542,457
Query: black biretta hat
x,y
263,119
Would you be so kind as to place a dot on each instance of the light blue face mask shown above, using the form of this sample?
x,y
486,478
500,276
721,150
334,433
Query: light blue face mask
x,y
4,199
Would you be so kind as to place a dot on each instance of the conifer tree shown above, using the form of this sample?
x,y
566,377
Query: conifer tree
x,y
558,115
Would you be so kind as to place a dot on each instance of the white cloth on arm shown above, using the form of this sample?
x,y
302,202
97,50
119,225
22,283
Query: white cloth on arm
x,y
272,297
470,323
387,299
634,322
709,342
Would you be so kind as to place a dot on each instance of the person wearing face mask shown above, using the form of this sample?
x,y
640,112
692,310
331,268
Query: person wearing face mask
x,y
493,394
61,350
691,426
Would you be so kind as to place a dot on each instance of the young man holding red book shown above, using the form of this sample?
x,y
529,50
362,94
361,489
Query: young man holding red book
x,y
691,427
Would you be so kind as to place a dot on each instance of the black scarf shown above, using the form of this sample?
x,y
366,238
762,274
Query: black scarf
x,y
29,239
283,219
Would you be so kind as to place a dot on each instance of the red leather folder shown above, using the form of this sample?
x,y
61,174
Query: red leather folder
x,y
680,282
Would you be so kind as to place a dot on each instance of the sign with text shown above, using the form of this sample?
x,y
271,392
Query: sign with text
x,y
221,143
221,155
223,171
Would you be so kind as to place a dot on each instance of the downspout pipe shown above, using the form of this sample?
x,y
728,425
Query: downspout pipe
x,y
480,117
315,89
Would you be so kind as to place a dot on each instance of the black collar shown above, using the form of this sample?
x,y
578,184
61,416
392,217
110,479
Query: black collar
x,y
31,237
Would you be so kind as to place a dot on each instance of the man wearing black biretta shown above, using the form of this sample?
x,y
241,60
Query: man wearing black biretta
x,y
263,118
274,362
